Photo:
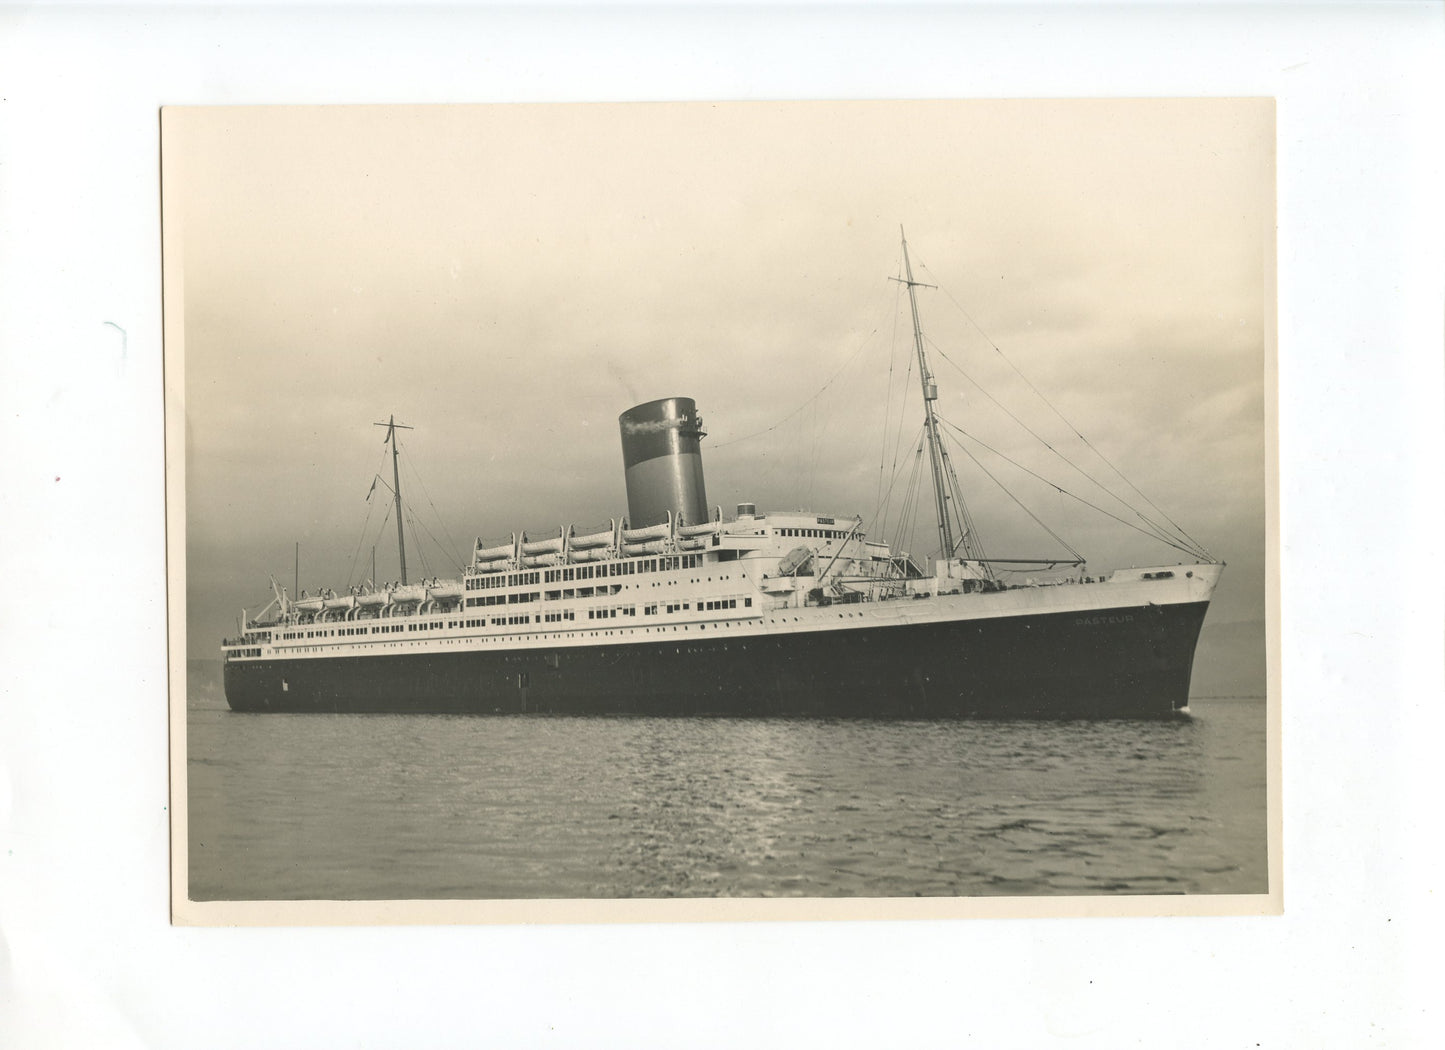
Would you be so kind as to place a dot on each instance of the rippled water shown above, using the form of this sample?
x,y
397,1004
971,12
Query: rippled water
x,y
414,806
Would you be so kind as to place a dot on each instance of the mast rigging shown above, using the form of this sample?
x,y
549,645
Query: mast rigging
x,y
945,482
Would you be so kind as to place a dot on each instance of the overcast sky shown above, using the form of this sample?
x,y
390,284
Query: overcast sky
x,y
509,279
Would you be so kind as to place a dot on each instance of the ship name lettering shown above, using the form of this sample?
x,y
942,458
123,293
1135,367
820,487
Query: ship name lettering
x,y
1096,621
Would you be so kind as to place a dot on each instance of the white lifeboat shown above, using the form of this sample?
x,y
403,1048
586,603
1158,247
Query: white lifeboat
x,y
580,556
340,602
309,604
551,546
596,539
659,531
697,530
652,547
411,592
371,599
445,589
794,560
497,553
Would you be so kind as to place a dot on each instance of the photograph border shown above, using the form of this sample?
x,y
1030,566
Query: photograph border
x,y
186,911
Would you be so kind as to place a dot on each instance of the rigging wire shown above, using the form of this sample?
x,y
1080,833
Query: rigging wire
x,y
386,519
416,524
1066,492
968,538
360,541
898,445
421,551
912,496
767,430
376,479
1022,506
1158,530
888,402
882,512
440,520
1199,549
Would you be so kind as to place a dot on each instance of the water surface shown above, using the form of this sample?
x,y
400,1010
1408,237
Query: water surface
x,y
354,807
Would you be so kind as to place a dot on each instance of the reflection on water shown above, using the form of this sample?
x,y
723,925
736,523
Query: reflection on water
x,y
416,806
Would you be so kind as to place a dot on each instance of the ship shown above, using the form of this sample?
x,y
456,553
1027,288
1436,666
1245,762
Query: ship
x,y
678,610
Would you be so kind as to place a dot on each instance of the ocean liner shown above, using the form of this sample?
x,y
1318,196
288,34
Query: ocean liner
x,y
678,610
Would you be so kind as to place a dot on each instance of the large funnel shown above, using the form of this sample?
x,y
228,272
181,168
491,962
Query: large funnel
x,y
662,454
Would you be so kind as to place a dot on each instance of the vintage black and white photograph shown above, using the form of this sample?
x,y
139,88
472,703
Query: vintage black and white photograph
x,y
803,500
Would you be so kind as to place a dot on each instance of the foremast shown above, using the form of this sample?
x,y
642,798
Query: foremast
x,y
392,426
945,482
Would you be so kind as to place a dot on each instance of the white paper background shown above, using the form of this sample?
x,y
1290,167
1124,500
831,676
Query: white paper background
x,y
88,955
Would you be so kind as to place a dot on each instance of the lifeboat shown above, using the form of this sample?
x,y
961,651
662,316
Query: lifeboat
x,y
341,602
371,599
411,592
579,556
552,546
652,532
652,547
697,530
794,560
691,545
596,539
497,553
541,561
445,589
310,605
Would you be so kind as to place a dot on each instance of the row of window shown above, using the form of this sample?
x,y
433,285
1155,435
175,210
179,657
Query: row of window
x,y
347,632
821,534
611,614
499,621
713,606
513,621
551,596
511,579
626,567
521,598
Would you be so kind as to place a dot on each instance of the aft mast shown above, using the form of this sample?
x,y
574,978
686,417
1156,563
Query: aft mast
x,y
945,483
391,428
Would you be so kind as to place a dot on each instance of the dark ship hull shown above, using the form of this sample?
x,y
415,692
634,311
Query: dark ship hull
x,y
1129,662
